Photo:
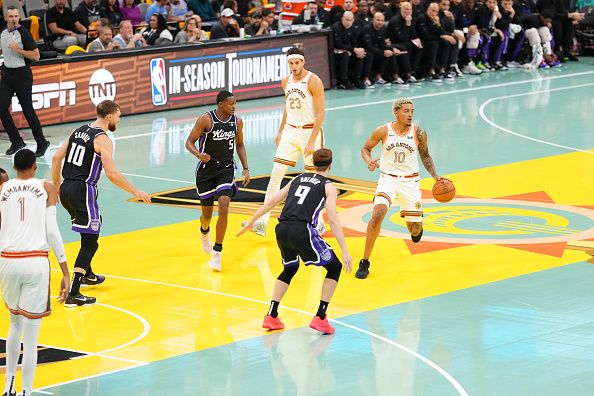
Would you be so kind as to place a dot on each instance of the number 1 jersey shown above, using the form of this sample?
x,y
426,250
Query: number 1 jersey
x,y
82,163
306,199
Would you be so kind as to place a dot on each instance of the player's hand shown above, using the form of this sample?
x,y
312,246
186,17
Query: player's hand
x,y
64,286
373,164
309,149
246,226
203,157
142,196
13,46
246,177
348,262
440,178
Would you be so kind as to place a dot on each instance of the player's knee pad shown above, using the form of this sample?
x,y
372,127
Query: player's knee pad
x,y
545,35
333,267
473,41
288,273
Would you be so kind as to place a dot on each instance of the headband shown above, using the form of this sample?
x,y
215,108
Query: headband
x,y
321,163
295,56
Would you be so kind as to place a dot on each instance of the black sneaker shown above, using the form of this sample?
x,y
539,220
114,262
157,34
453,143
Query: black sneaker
x,y
41,149
14,148
78,300
363,270
94,279
417,238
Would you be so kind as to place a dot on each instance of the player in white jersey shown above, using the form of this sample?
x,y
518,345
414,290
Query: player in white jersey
x,y
29,228
402,143
300,131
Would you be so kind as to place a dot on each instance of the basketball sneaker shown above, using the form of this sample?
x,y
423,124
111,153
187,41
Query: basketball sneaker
x,y
321,325
215,261
206,242
363,270
92,279
78,299
417,238
259,228
271,323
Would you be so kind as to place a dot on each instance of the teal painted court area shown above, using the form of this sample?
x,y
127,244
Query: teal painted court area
x,y
471,329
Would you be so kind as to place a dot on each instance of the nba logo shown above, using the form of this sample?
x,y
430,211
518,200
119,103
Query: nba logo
x,y
158,84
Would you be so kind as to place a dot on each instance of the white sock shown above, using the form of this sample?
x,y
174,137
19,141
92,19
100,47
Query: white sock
x,y
30,337
276,177
13,350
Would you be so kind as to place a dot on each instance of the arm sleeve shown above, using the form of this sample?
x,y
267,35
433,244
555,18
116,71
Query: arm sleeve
x,y
54,237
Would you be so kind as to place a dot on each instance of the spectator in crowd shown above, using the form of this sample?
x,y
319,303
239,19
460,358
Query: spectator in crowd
x,y
110,9
515,33
323,15
563,21
203,8
179,10
131,12
226,27
309,15
378,53
104,42
487,16
348,5
349,57
436,42
232,4
192,31
159,7
64,27
335,14
269,17
537,28
126,37
394,7
87,14
363,16
418,9
403,35
378,6
156,33
449,66
254,28
469,11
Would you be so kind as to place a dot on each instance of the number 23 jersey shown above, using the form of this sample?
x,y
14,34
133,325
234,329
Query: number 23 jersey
x,y
82,163
306,198
299,102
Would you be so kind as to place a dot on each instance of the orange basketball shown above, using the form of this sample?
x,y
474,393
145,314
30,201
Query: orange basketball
x,y
444,190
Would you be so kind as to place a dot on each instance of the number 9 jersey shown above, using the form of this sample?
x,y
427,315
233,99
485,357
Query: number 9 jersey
x,y
82,163
306,199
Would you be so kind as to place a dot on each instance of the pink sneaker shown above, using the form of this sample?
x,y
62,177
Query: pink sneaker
x,y
321,325
271,323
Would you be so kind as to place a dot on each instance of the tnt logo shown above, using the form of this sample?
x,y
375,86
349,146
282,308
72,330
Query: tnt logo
x,y
158,83
102,86
44,95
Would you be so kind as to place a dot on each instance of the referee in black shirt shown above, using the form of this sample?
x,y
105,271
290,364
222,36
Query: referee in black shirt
x,y
18,50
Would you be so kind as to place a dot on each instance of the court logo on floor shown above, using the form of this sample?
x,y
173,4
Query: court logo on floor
x,y
45,354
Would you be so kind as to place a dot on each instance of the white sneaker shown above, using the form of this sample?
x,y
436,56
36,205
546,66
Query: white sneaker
x,y
206,242
514,65
471,68
215,261
259,228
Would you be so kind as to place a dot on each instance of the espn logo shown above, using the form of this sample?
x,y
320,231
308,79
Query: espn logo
x,y
46,95
158,83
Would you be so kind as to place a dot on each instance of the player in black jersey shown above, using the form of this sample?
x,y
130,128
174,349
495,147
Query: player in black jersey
x,y
218,133
86,152
297,238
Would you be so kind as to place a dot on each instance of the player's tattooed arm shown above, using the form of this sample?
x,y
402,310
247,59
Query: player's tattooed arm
x,y
424,153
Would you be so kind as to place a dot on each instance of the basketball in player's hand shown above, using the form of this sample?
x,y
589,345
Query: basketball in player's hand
x,y
444,190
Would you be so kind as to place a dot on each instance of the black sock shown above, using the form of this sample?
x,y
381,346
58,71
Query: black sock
x,y
273,311
76,281
218,247
322,309
202,230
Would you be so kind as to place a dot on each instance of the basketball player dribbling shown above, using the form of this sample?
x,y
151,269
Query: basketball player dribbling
x,y
300,131
402,143
29,229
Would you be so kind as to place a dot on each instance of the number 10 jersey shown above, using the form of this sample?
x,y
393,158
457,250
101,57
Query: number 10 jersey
x,y
82,163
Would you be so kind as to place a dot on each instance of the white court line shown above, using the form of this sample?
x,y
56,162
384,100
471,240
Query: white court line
x,y
157,178
493,124
146,328
422,358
